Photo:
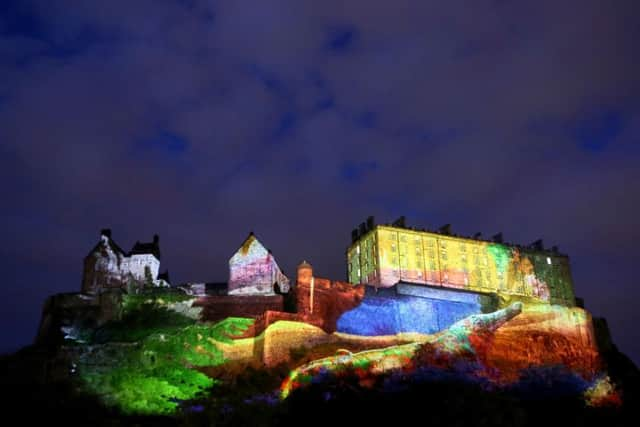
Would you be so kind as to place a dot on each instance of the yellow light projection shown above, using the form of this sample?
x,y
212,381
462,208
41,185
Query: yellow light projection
x,y
387,255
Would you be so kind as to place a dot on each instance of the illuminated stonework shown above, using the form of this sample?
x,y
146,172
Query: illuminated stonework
x,y
253,271
107,266
416,301
383,255
497,347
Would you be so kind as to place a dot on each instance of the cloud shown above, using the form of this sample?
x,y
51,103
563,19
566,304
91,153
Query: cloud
x,y
203,120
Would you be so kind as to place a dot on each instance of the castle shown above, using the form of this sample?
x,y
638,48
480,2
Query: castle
x,y
107,266
384,255
394,272
413,296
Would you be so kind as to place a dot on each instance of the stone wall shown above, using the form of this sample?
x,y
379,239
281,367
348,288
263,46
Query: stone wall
x,y
102,268
220,307
410,308
136,263
322,301
253,271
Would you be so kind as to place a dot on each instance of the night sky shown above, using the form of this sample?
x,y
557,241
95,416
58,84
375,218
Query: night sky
x,y
203,120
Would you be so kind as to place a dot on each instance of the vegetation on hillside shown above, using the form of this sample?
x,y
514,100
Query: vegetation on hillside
x,y
147,362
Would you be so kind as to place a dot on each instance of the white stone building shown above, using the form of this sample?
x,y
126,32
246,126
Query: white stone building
x,y
107,266
254,271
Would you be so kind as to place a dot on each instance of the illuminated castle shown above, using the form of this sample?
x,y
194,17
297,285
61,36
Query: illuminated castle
x,y
399,280
385,255
107,266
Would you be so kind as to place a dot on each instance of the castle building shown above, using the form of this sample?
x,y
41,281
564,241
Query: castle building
x,y
254,271
382,256
107,266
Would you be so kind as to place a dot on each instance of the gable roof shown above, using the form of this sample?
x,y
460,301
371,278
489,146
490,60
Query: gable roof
x,y
112,245
152,248
251,243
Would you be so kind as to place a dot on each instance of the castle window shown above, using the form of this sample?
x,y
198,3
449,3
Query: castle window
x,y
548,260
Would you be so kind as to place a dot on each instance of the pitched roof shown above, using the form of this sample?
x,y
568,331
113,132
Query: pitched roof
x,y
244,247
113,245
147,248
251,238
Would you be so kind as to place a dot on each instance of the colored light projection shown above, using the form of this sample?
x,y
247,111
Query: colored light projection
x,y
157,358
495,348
150,360
411,308
253,270
490,313
388,255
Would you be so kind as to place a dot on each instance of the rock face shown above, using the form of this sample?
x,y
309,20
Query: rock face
x,y
545,336
253,271
496,346
63,315
451,344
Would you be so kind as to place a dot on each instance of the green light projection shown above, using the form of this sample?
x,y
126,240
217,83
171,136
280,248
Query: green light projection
x,y
150,361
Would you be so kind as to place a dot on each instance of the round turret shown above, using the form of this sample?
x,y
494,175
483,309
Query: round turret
x,y
305,272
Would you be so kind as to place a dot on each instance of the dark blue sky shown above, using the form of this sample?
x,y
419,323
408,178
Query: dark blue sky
x,y
203,120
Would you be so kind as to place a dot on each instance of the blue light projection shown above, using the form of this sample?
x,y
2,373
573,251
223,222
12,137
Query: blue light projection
x,y
409,308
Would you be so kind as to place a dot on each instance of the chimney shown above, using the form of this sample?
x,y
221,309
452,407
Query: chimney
x,y
554,249
400,222
497,238
156,239
537,245
354,235
477,236
445,229
363,228
371,223
106,232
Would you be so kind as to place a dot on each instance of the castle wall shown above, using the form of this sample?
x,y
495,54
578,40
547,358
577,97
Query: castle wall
x,y
254,271
220,307
136,263
103,269
322,301
409,308
387,255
